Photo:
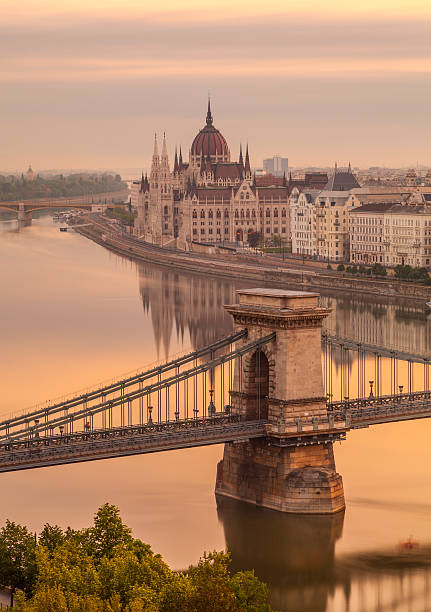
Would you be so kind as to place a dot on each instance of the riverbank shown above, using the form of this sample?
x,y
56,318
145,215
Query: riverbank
x,y
249,267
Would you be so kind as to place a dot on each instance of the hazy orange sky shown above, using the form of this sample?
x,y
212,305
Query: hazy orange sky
x,y
86,84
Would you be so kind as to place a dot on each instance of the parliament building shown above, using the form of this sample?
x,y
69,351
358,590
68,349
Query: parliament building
x,y
210,198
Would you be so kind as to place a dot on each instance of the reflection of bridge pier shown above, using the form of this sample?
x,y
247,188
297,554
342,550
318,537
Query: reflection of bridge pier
x,y
24,215
294,554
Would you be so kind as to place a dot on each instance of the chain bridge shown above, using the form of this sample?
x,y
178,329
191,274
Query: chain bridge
x,y
277,392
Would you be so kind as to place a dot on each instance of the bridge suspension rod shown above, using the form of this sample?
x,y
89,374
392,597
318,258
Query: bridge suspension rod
x,y
157,387
349,343
119,385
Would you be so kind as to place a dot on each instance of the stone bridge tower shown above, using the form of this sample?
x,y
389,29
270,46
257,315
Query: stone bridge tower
x,y
282,382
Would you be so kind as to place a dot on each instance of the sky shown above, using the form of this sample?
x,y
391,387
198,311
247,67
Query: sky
x,y
85,84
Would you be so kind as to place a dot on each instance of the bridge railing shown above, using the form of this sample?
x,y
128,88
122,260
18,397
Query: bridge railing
x,y
356,370
178,392
107,391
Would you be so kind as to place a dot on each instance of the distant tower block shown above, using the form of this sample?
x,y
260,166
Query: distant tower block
x,y
283,383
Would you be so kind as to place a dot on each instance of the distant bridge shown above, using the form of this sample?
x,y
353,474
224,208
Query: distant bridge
x,y
263,383
24,209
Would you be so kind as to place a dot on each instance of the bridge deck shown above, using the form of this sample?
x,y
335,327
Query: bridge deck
x,y
121,442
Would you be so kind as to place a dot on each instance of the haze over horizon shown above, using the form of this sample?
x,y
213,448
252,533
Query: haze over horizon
x,y
87,84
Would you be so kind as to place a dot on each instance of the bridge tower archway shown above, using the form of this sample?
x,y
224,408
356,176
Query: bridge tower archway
x,y
281,383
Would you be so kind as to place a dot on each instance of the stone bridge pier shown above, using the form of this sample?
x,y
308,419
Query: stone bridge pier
x,y
282,382
24,216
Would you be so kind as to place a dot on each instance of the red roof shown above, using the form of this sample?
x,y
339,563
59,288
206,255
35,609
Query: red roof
x,y
269,179
227,171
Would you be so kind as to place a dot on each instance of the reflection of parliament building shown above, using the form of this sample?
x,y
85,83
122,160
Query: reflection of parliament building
x,y
185,303
210,198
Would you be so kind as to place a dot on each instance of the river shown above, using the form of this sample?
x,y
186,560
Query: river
x,y
74,314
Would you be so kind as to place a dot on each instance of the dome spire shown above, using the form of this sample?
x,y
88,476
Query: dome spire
x,y
209,115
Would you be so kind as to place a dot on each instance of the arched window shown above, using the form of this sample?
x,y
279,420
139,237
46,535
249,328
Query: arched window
x,y
236,214
247,213
166,210
218,213
253,213
283,212
195,214
242,213
226,214
242,196
210,214
247,196
202,214
268,212
275,212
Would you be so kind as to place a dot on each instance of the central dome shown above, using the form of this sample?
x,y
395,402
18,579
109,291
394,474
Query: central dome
x,y
209,141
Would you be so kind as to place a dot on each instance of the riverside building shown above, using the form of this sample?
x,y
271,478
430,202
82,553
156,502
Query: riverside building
x,y
391,234
209,198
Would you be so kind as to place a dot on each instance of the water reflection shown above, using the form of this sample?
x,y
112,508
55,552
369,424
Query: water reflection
x,y
295,555
180,302
183,301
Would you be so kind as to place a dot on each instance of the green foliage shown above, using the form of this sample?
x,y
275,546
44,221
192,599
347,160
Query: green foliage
x,y
17,557
121,214
412,274
50,537
104,569
254,238
379,270
13,188
340,268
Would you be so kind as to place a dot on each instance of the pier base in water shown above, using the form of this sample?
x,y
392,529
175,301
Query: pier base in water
x,y
300,480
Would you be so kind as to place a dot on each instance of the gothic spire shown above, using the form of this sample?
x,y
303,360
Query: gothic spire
x,y
164,148
247,161
241,161
156,148
176,161
350,168
209,115
180,161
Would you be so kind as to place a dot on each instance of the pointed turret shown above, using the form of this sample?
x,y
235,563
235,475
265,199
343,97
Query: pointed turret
x,y
209,115
176,161
349,170
164,148
180,161
247,162
156,148
241,161
284,179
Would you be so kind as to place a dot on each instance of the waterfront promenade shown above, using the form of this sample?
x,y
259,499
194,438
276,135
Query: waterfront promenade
x,y
247,267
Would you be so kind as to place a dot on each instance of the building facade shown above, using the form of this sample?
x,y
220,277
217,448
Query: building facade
x,y
391,234
210,198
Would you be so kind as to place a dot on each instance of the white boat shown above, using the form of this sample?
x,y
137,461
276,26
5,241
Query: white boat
x,y
428,305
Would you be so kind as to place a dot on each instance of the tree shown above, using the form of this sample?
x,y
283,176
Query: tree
x,y
109,531
379,270
340,267
51,536
276,240
254,238
17,557
104,569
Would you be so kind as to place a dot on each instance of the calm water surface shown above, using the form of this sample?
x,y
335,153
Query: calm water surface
x,y
72,314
